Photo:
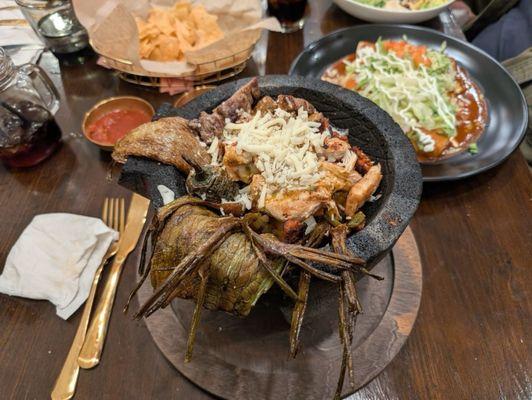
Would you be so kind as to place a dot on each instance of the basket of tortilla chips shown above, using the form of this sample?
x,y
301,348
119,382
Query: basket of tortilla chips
x,y
201,41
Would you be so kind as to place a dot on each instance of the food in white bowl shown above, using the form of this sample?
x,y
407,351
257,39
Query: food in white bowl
x,y
396,11
404,4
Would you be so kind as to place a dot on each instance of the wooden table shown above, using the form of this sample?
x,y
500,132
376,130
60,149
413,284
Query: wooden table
x,y
470,340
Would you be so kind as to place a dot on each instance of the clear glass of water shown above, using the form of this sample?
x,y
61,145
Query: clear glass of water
x,y
56,23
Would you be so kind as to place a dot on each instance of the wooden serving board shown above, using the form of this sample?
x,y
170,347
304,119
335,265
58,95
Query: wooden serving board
x,y
247,358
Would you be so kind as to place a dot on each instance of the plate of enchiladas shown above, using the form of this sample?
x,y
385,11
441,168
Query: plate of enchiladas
x,y
460,109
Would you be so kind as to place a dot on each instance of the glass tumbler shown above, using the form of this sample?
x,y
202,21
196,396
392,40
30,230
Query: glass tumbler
x,y
56,23
290,13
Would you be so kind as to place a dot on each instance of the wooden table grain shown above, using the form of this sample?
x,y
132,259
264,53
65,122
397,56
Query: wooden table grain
x,y
472,338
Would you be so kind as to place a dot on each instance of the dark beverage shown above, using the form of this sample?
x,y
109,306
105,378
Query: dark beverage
x,y
28,100
28,133
290,13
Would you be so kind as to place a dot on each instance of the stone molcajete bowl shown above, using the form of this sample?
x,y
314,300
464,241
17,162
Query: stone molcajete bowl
x,y
369,127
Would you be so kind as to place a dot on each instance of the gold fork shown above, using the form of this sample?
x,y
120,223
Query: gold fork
x,y
113,214
91,351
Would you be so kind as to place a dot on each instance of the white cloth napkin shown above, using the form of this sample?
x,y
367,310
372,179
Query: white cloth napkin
x,y
22,44
55,259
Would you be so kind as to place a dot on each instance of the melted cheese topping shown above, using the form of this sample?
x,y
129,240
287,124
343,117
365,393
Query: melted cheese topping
x,y
284,148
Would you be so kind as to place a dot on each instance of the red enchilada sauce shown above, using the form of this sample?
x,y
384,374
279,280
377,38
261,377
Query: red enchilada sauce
x,y
471,118
471,115
115,124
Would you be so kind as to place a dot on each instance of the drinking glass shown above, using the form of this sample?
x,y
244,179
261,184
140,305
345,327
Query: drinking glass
x,y
290,13
56,23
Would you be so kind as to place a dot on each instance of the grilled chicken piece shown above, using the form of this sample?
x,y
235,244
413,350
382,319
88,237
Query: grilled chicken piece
x,y
363,163
239,167
335,148
362,190
295,205
166,140
299,205
336,178
255,187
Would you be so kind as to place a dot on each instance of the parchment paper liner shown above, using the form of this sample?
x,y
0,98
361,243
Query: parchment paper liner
x,y
113,34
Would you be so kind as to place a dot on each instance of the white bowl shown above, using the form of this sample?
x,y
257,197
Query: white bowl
x,y
375,14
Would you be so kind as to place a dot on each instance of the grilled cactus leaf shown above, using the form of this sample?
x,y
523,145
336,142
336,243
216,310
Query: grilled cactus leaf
x,y
236,278
210,182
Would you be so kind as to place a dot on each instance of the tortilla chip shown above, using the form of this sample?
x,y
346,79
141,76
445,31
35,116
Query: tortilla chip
x,y
168,33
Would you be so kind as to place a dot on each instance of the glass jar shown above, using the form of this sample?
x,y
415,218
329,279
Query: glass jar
x,y
56,23
28,102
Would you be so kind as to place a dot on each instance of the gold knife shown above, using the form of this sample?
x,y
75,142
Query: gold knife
x,y
65,384
91,351
14,22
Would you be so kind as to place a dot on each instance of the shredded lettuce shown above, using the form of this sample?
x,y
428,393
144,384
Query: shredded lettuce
x,y
407,5
416,96
431,4
374,3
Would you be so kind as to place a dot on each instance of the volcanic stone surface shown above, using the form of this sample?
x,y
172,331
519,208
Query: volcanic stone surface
x,y
369,127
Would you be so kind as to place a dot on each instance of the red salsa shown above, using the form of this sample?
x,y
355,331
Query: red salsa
x,y
115,124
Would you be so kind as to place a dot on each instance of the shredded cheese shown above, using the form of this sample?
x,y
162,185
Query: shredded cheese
x,y
262,197
242,198
284,148
214,151
311,224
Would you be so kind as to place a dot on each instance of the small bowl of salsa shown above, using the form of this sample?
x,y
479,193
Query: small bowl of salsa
x,y
111,119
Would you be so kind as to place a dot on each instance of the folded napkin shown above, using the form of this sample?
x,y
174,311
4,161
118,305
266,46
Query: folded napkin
x,y
25,54
21,42
55,259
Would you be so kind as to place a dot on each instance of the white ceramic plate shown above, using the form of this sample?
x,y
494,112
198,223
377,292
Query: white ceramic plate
x,y
374,14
